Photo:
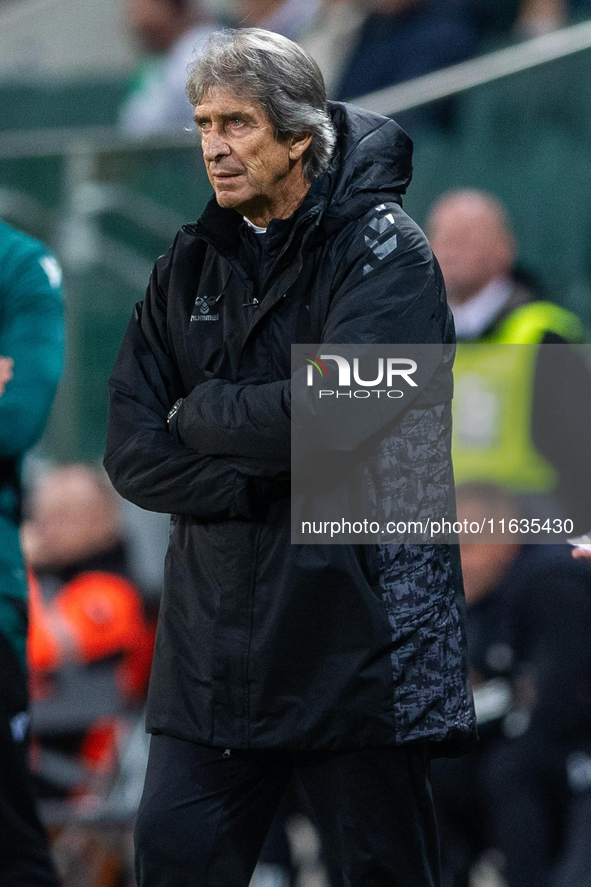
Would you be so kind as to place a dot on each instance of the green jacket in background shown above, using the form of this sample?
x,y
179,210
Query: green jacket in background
x,y
32,334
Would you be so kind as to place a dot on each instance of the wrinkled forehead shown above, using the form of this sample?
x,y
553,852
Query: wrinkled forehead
x,y
217,101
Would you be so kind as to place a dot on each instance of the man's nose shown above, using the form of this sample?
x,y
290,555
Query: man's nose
x,y
214,145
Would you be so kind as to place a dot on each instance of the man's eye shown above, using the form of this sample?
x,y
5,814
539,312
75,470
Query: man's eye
x,y
237,121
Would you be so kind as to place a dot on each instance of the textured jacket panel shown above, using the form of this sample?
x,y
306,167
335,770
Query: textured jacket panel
x,y
428,668
411,478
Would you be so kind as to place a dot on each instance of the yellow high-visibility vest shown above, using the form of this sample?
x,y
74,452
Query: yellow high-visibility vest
x,y
493,400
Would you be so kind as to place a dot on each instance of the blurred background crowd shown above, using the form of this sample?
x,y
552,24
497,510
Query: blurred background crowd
x,y
99,160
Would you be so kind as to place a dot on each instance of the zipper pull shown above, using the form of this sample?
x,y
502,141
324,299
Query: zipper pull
x,y
254,303
227,753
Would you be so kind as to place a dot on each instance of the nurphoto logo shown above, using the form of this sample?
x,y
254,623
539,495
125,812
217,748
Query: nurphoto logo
x,y
389,370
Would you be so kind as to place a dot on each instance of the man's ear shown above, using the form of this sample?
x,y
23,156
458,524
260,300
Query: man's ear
x,y
299,145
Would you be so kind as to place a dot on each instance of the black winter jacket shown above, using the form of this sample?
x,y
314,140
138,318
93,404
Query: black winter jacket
x,y
261,643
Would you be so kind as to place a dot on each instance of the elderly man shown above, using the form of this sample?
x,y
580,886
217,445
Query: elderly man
x,y
343,664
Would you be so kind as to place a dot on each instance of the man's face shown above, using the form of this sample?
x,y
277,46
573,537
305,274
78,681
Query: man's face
x,y
249,169
71,518
156,24
471,245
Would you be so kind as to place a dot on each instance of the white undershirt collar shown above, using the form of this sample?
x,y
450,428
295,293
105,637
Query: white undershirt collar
x,y
473,317
254,227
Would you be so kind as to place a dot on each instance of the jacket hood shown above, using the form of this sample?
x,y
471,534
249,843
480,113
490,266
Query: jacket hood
x,y
372,164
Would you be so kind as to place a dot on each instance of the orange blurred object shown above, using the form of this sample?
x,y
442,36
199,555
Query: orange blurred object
x,y
95,616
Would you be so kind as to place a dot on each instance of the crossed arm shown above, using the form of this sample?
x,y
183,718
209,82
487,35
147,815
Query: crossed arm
x,y
229,439
395,303
146,464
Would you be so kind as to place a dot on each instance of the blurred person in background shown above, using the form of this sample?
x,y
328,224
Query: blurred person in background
x,y
31,345
403,39
290,18
538,17
332,37
490,20
528,628
361,46
168,34
89,643
335,33
542,16
525,18
533,431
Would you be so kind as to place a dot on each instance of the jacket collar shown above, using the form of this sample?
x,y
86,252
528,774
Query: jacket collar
x,y
221,227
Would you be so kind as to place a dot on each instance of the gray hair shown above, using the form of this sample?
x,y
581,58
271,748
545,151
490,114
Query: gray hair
x,y
276,74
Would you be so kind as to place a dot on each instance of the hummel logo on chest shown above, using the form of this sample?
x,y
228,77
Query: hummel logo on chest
x,y
203,304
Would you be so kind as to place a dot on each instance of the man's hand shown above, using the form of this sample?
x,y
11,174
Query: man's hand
x,y
6,374
583,553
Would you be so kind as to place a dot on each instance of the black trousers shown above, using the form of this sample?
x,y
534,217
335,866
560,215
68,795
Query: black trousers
x,y
205,813
24,852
